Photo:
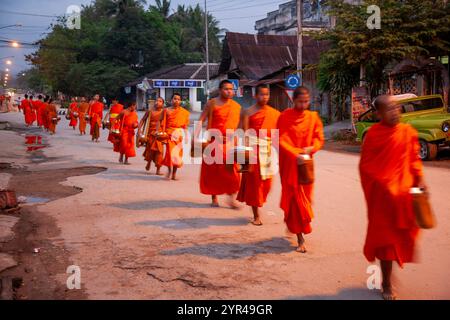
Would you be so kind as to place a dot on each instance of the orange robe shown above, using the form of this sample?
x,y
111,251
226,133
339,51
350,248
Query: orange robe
x,y
115,124
216,179
96,116
389,163
35,110
43,114
127,143
82,110
154,148
177,120
254,189
51,114
73,107
39,107
30,116
297,130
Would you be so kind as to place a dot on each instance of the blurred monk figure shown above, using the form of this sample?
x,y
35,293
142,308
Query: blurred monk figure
x,y
177,121
129,122
82,112
256,183
154,148
73,113
44,112
114,111
30,114
39,107
389,167
52,116
301,133
224,113
96,117
27,111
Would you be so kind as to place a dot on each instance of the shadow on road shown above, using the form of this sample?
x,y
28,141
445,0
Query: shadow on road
x,y
235,250
195,223
152,205
345,294
131,176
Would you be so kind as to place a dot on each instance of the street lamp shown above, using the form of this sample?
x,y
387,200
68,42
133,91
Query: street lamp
x,y
8,62
15,44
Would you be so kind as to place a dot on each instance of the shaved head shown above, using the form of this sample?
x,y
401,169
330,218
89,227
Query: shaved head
x,y
388,110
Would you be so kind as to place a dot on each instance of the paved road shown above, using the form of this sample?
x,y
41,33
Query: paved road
x,y
138,236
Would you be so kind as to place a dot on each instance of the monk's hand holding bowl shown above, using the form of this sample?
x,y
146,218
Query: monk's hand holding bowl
x,y
308,150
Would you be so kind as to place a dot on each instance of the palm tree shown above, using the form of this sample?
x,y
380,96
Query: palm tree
x,y
163,7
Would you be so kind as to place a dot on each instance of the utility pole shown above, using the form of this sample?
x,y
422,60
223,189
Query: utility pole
x,y
207,52
300,39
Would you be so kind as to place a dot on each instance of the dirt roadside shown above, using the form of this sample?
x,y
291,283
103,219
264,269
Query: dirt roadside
x,y
34,277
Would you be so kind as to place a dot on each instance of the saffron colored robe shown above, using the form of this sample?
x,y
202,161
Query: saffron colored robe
x,y
82,110
254,189
115,125
96,117
217,179
30,115
39,107
389,164
51,114
43,114
154,148
73,107
297,130
177,120
127,144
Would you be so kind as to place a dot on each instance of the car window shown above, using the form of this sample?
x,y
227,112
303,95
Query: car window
x,y
421,105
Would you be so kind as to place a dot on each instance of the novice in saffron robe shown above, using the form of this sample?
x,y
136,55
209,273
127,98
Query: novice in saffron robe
x,y
301,132
389,167
39,107
154,148
27,111
177,121
73,113
115,110
43,111
129,122
82,111
30,114
96,116
255,184
52,116
217,179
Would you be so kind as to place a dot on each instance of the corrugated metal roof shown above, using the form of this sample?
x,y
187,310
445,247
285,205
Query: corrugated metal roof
x,y
185,71
256,56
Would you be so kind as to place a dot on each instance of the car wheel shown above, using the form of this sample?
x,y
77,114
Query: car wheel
x,y
428,151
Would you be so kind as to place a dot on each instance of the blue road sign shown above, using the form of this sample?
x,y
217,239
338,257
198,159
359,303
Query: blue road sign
x,y
293,81
235,83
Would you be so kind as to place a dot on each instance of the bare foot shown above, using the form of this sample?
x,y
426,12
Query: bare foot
x,y
147,167
388,293
232,203
301,249
257,223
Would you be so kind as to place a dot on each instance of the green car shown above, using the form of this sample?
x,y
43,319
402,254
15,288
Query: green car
x,y
427,114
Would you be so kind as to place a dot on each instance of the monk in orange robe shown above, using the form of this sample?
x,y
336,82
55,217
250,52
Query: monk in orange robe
x,y
73,113
43,112
217,179
263,119
177,121
390,166
39,108
30,114
96,117
27,111
114,123
154,148
52,116
129,122
83,110
301,132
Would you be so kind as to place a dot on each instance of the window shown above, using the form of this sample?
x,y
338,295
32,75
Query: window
x,y
421,105
183,91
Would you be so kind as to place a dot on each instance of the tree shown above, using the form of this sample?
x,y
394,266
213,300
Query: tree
x,y
163,7
409,29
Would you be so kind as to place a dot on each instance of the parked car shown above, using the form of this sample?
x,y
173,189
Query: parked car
x,y
427,114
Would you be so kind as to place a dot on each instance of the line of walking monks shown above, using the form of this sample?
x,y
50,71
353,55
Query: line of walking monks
x,y
389,164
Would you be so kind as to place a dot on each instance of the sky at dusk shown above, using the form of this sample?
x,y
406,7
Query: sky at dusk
x,y
35,17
